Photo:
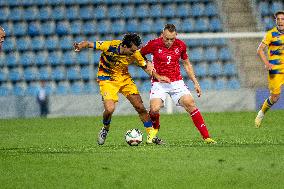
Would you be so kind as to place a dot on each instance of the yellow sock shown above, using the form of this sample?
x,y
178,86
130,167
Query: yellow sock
x,y
266,105
148,129
156,131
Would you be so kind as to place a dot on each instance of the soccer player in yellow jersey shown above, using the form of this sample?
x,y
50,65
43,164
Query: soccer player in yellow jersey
x,y
2,36
113,78
274,40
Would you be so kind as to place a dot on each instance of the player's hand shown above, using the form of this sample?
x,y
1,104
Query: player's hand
x,y
164,79
269,66
77,47
197,89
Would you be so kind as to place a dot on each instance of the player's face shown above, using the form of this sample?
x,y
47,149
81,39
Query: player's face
x,y
130,50
168,38
2,37
280,22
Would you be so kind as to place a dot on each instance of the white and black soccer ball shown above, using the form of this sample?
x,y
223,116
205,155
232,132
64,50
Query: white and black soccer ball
x,y
133,137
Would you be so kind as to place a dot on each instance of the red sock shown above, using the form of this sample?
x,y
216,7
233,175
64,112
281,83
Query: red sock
x,y
199,123
155,117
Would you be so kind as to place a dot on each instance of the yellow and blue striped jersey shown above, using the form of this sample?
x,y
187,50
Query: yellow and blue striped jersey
x,y
275,42
113,65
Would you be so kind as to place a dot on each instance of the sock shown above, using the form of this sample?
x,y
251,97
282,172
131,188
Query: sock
x,y
106,124
266,105
155,117
199,123
148,126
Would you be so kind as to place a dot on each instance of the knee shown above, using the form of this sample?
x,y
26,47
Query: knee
x,y
109,109
155,109
275,98
189,105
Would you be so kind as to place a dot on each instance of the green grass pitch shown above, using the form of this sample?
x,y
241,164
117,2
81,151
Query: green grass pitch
x,y
63,153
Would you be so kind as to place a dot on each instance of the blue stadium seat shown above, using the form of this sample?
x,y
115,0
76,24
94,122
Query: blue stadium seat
x,y
225,54
201,25
23,43
100,12
158,25
142,74
97,56
32,90
188,25
148,37
85,73
114,11
86,12
49,88
197,9
132,25
215,25
155,11
128,11
10,44
90,88
38,43
2,60
27,58
54,58
76,88
263,8
196,54
18,90
268,22
58,74
211,54
183,10
206,84
66,42
145,86
276,6
103,27
44,13
215,69
62,89
169,11
16,14
233,83
68,58
40,58
117,26
220,84
51,43
30,13
12,59
4,13
14,75
72,73
133,70
89,27
76,27
3,76
142,11
4,91
82,58
230,69
48,28
20,28
201,69
211,9
43,74
58,13
72,13
62,28
145,26
30,74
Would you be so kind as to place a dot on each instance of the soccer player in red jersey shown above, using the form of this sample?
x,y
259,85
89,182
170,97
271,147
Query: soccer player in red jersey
x,y
167,50
2,36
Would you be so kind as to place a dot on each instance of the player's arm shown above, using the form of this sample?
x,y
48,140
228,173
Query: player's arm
x,y
150,70
261,53
83,45
189,70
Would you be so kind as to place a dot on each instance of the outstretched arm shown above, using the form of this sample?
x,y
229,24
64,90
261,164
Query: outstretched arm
x,y
189,70
82,44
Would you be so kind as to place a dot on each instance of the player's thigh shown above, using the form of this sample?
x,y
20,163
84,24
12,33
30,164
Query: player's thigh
x,y
187,102
137,103
128,87
109,90
158,91
275,81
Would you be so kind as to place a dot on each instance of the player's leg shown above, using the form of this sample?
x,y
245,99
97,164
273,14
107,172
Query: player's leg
x,y
274,84
137,103
155,106
109,91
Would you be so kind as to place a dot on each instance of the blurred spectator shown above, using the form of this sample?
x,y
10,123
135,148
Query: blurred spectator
x,y
42,99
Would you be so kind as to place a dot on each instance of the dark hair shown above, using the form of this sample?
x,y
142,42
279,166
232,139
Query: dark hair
x,y
170,27
130,39
278,12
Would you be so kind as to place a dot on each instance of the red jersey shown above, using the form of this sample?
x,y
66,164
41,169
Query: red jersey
x,y
166,60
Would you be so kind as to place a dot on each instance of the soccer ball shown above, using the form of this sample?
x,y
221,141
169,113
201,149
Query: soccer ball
x,y
133,137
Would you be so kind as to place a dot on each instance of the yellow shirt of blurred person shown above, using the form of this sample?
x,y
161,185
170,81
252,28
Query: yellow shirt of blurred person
x,y
275,42
113,65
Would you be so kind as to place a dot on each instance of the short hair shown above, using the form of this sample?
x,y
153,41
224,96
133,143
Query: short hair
x,y
130,39
278,12
170,27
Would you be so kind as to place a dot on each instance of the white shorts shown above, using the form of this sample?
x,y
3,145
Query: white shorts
x,y
175,89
